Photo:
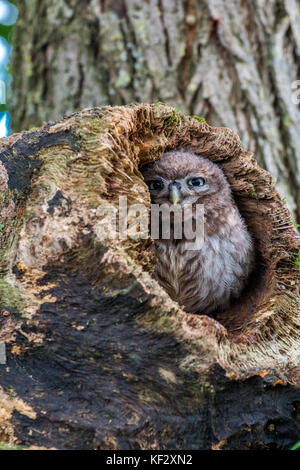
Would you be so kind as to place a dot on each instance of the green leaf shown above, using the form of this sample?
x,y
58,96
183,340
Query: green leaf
x,y
296,446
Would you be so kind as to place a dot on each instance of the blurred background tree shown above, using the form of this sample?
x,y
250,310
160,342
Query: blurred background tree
x,y
8,16
230,61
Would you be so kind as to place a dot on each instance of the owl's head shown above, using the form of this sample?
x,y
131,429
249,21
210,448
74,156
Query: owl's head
x,y
182,177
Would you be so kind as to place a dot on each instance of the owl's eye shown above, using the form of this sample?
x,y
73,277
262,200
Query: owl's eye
x,y
196,182
155,185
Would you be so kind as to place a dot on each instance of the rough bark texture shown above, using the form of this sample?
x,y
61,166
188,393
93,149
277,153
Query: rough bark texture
x,y
231,61
98,356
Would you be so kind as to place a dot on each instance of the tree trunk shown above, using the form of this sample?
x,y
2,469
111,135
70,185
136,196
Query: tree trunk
x,y
97,355
230,61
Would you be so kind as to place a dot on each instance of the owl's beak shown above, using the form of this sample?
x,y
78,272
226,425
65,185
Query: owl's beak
x,y
174,194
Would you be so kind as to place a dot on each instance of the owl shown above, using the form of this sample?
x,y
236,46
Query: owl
x,y
207,278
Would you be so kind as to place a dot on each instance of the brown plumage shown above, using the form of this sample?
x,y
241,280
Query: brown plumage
x,y
206,279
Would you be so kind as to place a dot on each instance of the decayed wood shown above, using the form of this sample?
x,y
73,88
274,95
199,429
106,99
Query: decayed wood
x,y
98,356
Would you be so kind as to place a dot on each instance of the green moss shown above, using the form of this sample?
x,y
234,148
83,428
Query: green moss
x,y
254,193
296,225
97,124
297,260
3,195
174,118
11,299
5,446
274,181
199,119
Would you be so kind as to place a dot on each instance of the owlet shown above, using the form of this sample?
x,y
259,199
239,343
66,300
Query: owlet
x,y
206,278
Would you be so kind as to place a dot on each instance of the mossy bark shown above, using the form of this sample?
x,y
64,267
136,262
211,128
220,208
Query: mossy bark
x,y
97,355
231,61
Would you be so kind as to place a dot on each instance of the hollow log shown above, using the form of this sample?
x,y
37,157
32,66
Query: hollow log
x,y
95,355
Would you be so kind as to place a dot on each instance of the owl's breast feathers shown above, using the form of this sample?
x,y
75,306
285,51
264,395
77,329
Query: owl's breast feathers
x,y
206,279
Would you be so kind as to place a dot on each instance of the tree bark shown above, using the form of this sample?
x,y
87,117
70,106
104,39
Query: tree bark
x,y
97,355
232,62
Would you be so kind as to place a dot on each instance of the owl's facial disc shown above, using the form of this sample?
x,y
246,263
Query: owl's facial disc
x,y
163,190
200,180
183,191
